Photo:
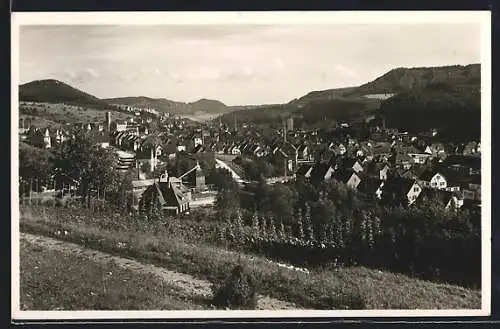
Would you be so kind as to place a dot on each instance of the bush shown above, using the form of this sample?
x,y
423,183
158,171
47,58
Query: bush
x,y
237,291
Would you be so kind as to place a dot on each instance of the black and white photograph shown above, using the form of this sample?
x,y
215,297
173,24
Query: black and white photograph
x,y
251,164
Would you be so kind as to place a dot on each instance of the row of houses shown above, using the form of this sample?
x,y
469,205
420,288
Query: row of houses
x,y
376,179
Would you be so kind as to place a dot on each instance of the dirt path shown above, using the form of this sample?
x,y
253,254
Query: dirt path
x,y
186,282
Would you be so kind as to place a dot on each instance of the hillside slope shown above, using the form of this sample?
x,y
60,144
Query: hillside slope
x,y
404,79
449,90
55,91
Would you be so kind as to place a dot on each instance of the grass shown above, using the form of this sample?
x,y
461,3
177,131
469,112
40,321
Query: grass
x,y
53,280
343,288
47,113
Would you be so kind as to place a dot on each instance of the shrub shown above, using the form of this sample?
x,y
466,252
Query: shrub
x,y
237,291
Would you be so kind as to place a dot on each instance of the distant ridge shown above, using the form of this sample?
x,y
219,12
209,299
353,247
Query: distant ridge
x,y
420,98
166,105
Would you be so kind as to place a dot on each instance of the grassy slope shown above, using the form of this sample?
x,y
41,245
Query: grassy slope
x,y
52,280
344,288
60,114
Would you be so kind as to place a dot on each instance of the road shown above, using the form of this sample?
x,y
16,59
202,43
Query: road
x,y
189,284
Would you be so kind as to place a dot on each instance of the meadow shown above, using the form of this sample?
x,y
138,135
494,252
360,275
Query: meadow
x,y
189,245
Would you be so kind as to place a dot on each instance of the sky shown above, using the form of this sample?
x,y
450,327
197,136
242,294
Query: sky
x,y
236,64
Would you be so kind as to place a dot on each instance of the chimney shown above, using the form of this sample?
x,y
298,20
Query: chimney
x,y
108,121
284,132
152,164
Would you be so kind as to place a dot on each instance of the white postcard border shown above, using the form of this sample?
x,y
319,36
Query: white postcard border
x,y
262,18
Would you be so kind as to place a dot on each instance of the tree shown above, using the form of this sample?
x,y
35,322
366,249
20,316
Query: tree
x,y
281,200
228,193
92,166
34,162
256,168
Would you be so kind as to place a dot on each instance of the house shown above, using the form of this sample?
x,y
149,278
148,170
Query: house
x,y
305,171
401,160
397,190
383,172
321,172
338,149
119,126
406,173
167,196
349,164
420,158
382,150
170,151
466,165
197,141
449,199
471,148
97,137
348,177
371,187
471,188
432,179
126,160
303,152
438,150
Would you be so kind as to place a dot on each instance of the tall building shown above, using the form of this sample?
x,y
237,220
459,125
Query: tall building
x,y
289,124
108,120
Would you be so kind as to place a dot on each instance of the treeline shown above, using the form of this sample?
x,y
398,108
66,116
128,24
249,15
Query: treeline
x,y
88,168
311,225
455,111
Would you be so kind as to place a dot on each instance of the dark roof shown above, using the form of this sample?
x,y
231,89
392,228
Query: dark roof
x,y
463,160
171,195
303,169
319,170
433,194
97,136
427,175
369,185
398,185
347,162
343,175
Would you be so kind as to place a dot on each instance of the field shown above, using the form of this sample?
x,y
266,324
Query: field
x,y
53,115
184,246
54,279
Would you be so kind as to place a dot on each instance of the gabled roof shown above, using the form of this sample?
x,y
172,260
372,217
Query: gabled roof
x,y
347,162
369,185
432,194
398,185
170,195
427,175
319,170
303,169
343,175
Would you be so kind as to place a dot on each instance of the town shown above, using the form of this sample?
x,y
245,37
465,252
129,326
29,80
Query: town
x,y
406,167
